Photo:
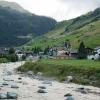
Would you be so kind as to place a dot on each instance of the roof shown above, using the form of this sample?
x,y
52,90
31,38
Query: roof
x,y
98,47
73,50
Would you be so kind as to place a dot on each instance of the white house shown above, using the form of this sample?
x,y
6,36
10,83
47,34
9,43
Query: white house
x,y
95,55
19,53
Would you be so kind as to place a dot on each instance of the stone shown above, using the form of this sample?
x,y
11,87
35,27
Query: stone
x,y
42,87
70,98
47,82
14,86
9,73
39,73
69,78
5,84
41,91
30,73
68,94
19,78
7,79
3,96
82,90
11,95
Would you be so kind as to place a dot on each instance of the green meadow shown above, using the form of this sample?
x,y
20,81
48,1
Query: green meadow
x,y
83,71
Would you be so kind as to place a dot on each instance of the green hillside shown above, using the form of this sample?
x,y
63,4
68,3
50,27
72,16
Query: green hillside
x,y
18,26
84,28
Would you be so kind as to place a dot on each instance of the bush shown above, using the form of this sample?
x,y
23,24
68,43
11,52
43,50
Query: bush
x,y
13,58
3,60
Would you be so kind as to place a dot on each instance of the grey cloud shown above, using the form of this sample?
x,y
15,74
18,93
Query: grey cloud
x,y
76,8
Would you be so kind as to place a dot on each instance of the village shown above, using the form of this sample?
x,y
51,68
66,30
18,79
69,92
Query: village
x,y
57,52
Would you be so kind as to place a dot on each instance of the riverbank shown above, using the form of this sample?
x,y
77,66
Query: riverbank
x,y
83,71
29,86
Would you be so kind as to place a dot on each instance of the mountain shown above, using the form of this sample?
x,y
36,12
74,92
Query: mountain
x,y
83,28
18,26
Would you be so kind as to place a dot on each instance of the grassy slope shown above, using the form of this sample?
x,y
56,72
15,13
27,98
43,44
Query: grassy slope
x,y
91,36
75,63
84,28
83,71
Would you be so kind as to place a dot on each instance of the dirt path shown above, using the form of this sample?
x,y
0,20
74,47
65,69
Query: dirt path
x,y
28,87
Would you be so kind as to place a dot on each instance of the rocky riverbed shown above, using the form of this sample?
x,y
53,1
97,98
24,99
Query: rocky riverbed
x,y
28,88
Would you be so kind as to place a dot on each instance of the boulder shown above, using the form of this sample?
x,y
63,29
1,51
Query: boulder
x,y
1,85
30,73
5,84
14,86
42,87
9,73
68,94
3,96
41,91
39,73
11,95
70,98
82,90
47,82
7,79
69,78
19,78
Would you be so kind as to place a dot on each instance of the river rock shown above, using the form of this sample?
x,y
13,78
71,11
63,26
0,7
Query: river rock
x,y
68,94
19,78
30,73
41,91
42,87
3,96
9,73
69,78
14,86
11,95
5,84
7,79
47,82
82,90
70,98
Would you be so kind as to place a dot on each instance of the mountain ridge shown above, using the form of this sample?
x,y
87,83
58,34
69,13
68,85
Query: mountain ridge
x,y
83,28
15,23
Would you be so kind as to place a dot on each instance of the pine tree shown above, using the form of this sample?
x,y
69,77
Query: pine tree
x,y
82,51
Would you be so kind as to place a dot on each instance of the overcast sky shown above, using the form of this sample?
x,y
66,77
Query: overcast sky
x,y
59,9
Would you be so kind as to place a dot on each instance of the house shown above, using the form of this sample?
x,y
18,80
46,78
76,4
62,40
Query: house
x,y
61,52
73,53
95,55
4,51
19,53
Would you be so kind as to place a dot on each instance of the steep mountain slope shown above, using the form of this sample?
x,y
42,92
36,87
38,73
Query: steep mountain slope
x,y
17,26
84,28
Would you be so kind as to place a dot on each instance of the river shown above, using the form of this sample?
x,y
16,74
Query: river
x,y
28,87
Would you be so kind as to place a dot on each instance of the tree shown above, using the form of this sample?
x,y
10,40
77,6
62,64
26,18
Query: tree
x,y
11,51
37,50
82,51
67,44
13,58
46,50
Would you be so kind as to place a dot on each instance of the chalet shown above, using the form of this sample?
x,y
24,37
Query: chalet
x,y
4,51
95,55
73,53
19,53
62,52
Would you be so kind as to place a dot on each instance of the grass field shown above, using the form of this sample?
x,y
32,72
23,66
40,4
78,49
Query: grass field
x,y
74,63
83,71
